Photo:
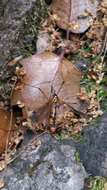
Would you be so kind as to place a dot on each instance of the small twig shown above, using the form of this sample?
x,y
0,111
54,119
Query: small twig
x,y
104,48
10,127
25,146
13,88
7,140
69,19
105,41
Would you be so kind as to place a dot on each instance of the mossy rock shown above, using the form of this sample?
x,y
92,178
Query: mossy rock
x,y
19,24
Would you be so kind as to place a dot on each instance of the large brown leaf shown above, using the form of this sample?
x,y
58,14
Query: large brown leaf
x,y
75,15
6,130
48,76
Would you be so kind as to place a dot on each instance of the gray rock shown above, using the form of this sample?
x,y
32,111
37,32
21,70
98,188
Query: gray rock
x,y
93,149
13,15
43,42
50,165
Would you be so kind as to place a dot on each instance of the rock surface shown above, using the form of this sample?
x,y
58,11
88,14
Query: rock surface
x,y
47,164
13,15
93,149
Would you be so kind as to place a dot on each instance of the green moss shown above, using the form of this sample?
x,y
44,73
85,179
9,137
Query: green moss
x,y
33,168
77,156
31,26
96,183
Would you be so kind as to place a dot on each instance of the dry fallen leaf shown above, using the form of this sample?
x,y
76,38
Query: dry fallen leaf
x,y
105,186
75,15
47,77
1,183
5,131
2,165
5,161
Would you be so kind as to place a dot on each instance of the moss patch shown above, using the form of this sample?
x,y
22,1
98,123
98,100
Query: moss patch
x,y
96,183
31,26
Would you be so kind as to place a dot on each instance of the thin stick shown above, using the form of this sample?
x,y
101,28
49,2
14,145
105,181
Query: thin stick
x,y
69,19
24,147
7,140
10,127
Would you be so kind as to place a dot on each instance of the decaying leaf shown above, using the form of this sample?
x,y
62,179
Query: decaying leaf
x,y
5,130
49,84
75,15
105,186
2,184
